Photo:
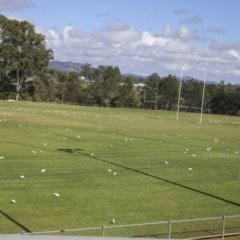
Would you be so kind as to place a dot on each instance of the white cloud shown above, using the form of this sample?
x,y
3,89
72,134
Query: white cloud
x,y
234,53
149,39
176,46
183,32
13,17
65,34
15,5
193,20
168,32
222,46
144,53
180,11
117,26
216,30
235,72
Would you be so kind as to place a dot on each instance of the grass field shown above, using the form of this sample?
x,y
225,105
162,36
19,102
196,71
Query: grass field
x,y
78,145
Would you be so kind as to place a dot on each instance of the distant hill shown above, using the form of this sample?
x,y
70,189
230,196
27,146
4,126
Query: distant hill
x,y
134,76
186,78
65,66
72,66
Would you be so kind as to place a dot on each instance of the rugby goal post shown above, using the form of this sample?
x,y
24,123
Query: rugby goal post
x,y
179,95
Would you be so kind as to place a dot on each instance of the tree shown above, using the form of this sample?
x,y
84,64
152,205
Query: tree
x,y
151,87
74,87
150,90
210,91
192,93
219,102
86,71
127,93
22,51
62,81
168,91
107,83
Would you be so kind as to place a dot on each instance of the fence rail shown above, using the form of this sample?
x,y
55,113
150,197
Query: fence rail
x,y
221,226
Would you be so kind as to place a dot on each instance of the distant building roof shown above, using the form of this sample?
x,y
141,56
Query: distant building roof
x,y
139,85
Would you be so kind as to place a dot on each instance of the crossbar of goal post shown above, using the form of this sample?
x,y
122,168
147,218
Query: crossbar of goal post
x,y
202,95
144,101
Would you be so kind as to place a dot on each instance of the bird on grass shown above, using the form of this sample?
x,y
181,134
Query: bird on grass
x,y
91,154
190,169
56,194
166,162
109,170
22,177
13,201
43,170
113,221
1,157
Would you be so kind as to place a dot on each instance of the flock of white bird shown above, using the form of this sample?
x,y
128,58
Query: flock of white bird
x,y
23,177
185,151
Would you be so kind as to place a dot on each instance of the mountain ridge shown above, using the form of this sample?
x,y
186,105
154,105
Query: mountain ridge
x,y
69,66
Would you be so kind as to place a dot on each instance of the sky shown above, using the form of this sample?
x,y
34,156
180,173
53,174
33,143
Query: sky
x,y
142,37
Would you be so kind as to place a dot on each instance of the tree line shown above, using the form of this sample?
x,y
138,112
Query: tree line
x,y
24,75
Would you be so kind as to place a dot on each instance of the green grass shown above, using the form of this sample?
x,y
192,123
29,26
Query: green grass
x,y
91,196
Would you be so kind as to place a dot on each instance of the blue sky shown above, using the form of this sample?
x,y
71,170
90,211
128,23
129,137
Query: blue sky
x,y
140,36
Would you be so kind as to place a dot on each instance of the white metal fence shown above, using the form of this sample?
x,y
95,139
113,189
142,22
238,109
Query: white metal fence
x,y
200,228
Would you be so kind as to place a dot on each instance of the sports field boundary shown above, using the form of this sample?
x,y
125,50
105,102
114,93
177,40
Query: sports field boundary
x,y
216,227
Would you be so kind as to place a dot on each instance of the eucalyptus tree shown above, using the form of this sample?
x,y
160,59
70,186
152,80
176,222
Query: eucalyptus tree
x,y
210,91
192,93
151,87
74,87
23,52
226,99
6,87
86,71
107,81
127,94
61,84
218,103
168,91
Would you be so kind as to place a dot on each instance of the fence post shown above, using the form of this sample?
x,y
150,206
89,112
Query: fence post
x,y
223,226
103,230
169,228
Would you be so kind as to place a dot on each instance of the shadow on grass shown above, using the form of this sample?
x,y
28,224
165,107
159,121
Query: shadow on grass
x,y
69,150
15,222
165,180
189,233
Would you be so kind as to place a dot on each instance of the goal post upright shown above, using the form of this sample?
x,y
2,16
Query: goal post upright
x,y
203,95
179,94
